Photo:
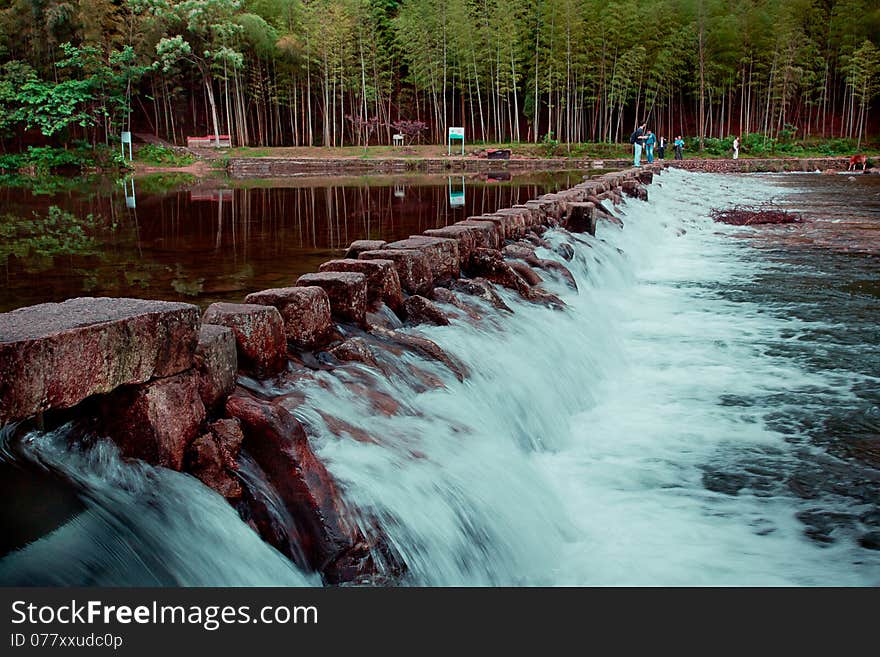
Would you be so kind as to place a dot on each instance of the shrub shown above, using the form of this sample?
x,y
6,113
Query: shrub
x,y
163,156
549,145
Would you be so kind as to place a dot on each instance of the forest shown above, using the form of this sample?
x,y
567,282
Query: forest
x,y
354,72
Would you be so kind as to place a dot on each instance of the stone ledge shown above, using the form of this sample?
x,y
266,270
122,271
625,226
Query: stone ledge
x,y
54,355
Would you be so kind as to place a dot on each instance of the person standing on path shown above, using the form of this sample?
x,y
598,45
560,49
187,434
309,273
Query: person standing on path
x,y
650,140
637,138
736,148
679,146
661,148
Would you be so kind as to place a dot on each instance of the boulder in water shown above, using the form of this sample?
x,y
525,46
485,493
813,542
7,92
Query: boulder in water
x,y
420,310
355,350
332,541
525,272
305,312
441,254
259,334
347,291
383,283
490,264
412,267
466,236
206,463
155,421
481,288
216,362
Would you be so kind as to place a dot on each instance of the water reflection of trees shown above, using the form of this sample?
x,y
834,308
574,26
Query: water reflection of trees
x,y
210,243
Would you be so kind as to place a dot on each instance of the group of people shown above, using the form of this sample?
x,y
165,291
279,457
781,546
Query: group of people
x,y
644,139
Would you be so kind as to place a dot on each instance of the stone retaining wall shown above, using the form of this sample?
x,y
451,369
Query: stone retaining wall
x,y
279,167
161,381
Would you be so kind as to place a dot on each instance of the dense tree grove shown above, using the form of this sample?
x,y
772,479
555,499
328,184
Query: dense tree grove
x,y
332,72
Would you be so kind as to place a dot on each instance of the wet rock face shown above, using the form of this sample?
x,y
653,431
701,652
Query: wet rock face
x,y
54,355
216,362
525,272
211,458
347,292
305,312
441,254
420,310
332,541
582,218
412,267
424,347
490,264
481,288
355,350
383,282
155,421
259,334
487,234
464,235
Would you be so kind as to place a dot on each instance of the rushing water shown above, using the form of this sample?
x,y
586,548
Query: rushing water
x,y
706,411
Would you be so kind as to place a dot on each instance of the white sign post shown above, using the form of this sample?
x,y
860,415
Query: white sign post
x,y
455,133
126,139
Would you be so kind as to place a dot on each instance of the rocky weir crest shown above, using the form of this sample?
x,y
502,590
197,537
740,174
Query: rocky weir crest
x,y
164,381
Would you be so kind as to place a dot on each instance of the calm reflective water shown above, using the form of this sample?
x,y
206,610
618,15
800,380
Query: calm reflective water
x,y
210,242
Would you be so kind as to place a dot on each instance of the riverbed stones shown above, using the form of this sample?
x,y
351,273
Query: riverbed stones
x,y
210,463
355,350
412,268
525,272
490,264
155,421
383,282
346,290
359,246
259,334
441,253
331,539
54,355
216,362
420,310
305,312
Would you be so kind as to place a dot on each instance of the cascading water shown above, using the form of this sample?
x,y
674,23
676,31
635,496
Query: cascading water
x,y
648,434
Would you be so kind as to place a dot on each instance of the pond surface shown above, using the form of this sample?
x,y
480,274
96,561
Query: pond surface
x,y
218,240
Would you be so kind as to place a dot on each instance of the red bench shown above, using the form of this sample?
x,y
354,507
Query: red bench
x,y
209,141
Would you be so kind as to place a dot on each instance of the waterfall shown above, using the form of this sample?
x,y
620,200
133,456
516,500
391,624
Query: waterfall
x,y
632,438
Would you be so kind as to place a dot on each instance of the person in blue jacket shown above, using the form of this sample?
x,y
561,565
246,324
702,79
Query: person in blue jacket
x,y
679,146
650,140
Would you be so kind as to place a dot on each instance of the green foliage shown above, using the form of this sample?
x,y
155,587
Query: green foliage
x,y
509,70
43,160
156,155
549,145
